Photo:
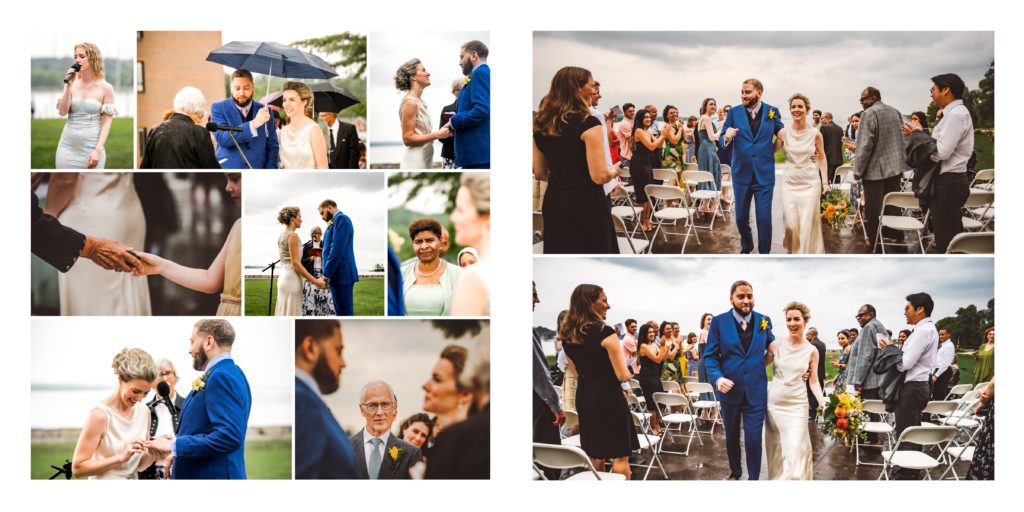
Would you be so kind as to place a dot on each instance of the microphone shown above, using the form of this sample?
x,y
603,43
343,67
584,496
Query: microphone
x,y
213,127
164,390
76,67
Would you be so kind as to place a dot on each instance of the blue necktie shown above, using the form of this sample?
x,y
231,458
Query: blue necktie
x,y
375,457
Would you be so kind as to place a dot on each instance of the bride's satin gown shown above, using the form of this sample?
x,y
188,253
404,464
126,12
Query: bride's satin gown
x,y
801,195
418,157
787,440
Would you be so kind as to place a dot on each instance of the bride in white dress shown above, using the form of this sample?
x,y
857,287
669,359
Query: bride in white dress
x,y
289,285
413,78
803,182
472,222
302,144
787,440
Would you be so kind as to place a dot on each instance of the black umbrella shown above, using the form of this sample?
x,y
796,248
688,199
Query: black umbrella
x,y
272,59
326,98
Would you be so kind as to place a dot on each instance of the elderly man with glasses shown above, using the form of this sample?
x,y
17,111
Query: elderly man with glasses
x,y
379,454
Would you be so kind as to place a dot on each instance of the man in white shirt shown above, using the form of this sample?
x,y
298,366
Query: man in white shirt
x,y
943,366
918,361
379,454
954,143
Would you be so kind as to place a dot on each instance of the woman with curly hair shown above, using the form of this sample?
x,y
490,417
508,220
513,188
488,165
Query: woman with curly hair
x,y
412,78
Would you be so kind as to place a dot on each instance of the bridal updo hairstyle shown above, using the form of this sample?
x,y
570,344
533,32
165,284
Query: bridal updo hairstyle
x,y
801,97
457,355
478,184
134,364
305,94
92,52
286,214
404,75
797,306
562,100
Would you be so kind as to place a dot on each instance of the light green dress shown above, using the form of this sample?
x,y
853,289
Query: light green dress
x,y
986,366
429,299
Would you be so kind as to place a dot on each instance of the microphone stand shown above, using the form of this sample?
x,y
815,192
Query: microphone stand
x,y
270,299
232,135
64,469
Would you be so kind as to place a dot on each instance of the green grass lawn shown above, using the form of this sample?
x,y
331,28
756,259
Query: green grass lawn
x,y
119,146
267,459
368,296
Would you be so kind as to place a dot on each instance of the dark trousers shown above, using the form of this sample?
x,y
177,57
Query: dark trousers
x,y
761,195
544,431
832,166
951,191
812,403
486,165
869,394
342,295
752,419
874,193
940,388
914,397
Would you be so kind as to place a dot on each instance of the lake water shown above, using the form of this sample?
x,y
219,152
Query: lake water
x,y
45,103
388,152
68,408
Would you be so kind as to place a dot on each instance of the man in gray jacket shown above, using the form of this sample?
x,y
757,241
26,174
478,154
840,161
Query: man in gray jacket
x,y
880,161
863,354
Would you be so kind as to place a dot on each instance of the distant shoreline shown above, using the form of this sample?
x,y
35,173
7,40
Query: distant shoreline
x,y
70,435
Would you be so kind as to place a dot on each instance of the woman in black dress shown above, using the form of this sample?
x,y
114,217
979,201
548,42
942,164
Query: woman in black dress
x,y
651,357
646,151
606,425
568,153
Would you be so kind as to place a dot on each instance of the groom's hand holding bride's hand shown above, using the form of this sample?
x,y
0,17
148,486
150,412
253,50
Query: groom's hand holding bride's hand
x,y
160,444
724,385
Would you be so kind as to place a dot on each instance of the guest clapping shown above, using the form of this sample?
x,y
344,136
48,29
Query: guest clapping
x,y
429,281
651,357
646,148
182,141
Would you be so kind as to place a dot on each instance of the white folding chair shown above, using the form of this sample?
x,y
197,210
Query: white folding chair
x,y
939,436
984,179
690,167
538,228
638,406
568,457
628,244
958,391
963,452
571,420
972,243
694,179
667,177
980,386
881,428
697,388
691,396
727,186
905,223
662,194
650,442
675,420
671,386
977,207
939,410
628,210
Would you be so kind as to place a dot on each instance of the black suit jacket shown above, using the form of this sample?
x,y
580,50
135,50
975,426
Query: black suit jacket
x,y
463,450
346,147
55,243
820,345
390,467
178,143
307,261
832,139
448,145
154,421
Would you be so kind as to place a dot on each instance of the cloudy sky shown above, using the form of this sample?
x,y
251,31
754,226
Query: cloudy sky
x,y
400,352
439,52
831,68
682,289
113,44
263,349
360,195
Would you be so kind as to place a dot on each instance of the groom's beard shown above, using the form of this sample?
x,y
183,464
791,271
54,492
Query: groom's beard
x,y
467,68
740,311
328,216
199,361
326,380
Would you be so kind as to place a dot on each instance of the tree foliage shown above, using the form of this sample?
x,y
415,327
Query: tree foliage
x,y
446,183
969,324
350,49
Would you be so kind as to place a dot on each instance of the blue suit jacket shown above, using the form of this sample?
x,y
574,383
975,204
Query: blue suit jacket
x,y
339,261
724,357
753,156
396,303
261,149
211,434
472,121
322,449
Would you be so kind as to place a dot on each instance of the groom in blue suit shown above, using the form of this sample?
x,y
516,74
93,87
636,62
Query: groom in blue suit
x,y
339,260
734,355
323,450
472,120
213,420
258,136
752,128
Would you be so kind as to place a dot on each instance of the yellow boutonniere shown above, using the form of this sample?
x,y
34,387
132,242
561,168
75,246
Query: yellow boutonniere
x,y
764,323
771,114
200,382
395,452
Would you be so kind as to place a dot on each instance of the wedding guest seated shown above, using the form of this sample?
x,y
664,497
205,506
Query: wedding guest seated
x,y
182,142
429,281
374,444
416,429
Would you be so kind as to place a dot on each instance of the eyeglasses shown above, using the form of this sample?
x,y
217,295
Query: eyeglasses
x,y
859,315
168,374
383,406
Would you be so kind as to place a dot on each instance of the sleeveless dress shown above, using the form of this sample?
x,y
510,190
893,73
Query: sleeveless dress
x,y
674,155
119,432
418,157
649,378
844,358
787,440
641,170
707,158
231,296
105,205
316,301
289,285
296,152
82,133
801,195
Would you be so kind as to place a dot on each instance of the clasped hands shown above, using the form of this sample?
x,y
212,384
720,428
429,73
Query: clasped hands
x,y
446,131
112,255
725,385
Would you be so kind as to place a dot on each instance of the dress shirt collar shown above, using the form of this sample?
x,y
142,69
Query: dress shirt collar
x,y
213,362
383,437
950,107
739,319
308,380
754,110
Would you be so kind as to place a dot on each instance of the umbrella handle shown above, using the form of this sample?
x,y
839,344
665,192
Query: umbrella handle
x,y
266,129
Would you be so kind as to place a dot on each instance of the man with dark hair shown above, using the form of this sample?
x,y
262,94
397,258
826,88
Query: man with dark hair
x,y
944,361
863,354
880,161
625,129
339,259
832,141
816,115
547,408
812,403
917,363
257,139
954,143
324,450
472,121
